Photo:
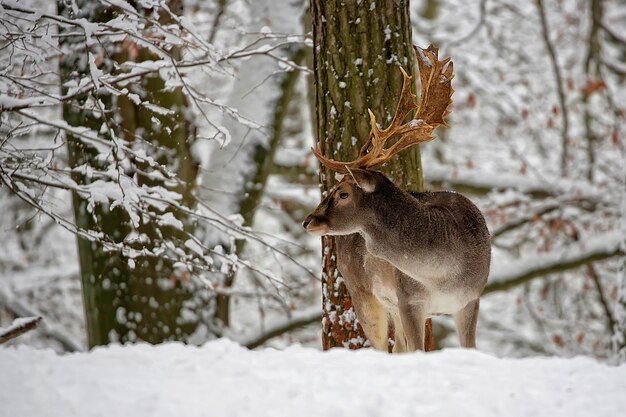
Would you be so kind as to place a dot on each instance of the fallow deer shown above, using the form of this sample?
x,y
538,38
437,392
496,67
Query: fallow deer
x,y
406,257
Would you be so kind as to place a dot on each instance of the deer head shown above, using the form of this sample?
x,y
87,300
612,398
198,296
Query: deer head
x,y
342,211
344,204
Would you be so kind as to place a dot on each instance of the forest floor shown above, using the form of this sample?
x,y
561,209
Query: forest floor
x,y
223,379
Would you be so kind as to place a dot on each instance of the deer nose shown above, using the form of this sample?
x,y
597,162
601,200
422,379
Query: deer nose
x,y
307,221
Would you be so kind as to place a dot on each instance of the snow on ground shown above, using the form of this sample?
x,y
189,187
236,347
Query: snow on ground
x,y
223,379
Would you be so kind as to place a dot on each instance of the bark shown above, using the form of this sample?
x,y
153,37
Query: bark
x,y
358,47
124,302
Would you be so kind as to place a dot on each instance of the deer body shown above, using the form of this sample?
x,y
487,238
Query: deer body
x,y
413,256
438,239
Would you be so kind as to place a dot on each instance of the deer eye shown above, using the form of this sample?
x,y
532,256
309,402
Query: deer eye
x,y
343,195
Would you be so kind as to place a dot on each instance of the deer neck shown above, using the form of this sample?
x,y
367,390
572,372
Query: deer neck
x,y
393,224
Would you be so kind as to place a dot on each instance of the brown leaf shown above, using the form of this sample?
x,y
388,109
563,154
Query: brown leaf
x,y
544,292
523,169
98,60
471,100
555,110
593,86
615,138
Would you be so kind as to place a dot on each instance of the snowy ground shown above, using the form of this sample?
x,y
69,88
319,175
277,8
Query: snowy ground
x,y
223,379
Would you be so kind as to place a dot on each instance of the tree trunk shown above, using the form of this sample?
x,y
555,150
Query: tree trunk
x,y
140,299
263,160
358,48
619,335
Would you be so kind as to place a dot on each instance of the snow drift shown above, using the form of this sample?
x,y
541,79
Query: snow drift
x,y
223,379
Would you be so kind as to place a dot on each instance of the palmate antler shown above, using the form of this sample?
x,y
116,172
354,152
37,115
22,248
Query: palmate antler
x,y
435,98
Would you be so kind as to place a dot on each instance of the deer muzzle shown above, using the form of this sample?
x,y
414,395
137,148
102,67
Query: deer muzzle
x,y
315,225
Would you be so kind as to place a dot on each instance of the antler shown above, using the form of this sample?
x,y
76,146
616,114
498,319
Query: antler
x,y
436,92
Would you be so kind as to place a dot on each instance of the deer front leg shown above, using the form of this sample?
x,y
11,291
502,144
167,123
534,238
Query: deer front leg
x,y
465,320
411,297
399,345
373,318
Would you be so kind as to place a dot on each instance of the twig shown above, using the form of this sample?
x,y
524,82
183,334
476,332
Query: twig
x,y
516,273
18,327
559,85
222,4
481,21
52,331
610,320
297,320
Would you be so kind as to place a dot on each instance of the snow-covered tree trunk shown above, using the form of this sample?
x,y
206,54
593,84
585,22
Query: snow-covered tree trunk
x,y
140,298
358,48
241,159
262,163
619,336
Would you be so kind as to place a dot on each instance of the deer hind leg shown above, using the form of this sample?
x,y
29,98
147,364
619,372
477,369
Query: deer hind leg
x,y
411,297
399,345
465,320
373,318
413,322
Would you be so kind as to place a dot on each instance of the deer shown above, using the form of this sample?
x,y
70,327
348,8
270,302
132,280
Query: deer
x,y
405,256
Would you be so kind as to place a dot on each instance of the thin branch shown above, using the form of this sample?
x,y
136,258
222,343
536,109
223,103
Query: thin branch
x,y
482,13
18,327
49,330
558,78
527,217
610,319
297,320
221,9
511,274
478,182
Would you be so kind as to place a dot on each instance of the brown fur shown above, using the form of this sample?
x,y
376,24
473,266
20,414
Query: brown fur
x,y
431,250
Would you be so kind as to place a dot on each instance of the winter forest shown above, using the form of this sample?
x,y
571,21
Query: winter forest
x,y
156,168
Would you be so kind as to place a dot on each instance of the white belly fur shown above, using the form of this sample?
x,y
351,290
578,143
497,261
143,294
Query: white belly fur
x,y
446,303
432,274
438,302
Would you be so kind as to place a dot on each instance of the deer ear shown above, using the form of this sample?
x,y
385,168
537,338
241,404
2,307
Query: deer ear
x,y
339,177
364,179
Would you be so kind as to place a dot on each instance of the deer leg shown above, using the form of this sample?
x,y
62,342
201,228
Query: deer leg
x,y
413,322
465,320
373,318
399,337
411,297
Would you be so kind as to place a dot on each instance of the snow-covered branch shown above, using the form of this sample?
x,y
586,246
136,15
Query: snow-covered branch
x,y
297,320
18,327
509,274
474,181
50,330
